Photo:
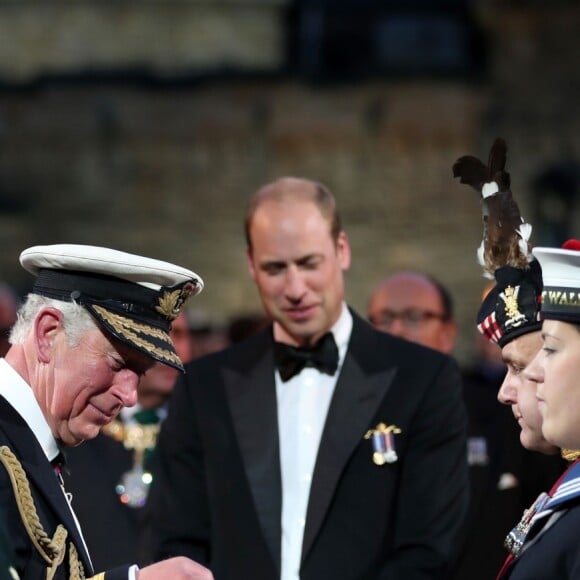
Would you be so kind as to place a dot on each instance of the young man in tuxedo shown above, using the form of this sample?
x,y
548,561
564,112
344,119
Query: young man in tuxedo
x,y
320,447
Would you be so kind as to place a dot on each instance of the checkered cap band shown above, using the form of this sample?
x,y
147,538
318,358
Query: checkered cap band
x,y
512,307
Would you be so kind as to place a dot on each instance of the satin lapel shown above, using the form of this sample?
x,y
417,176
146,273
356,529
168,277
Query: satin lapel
x,y
40,472
252,399
356,400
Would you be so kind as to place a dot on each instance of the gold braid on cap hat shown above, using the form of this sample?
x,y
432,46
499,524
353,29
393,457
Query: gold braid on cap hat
x,y
129,329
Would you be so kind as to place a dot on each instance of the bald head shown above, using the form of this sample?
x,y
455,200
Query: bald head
x,y
416,307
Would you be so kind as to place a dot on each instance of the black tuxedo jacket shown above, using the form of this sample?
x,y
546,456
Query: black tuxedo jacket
x,y
216,496
48,497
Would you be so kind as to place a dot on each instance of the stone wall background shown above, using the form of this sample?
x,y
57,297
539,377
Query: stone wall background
x,y
165,168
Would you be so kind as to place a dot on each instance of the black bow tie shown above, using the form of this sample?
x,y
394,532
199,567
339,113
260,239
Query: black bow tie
x,y
290,360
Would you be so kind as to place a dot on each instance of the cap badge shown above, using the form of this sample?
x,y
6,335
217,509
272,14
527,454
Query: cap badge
x,y
171,302
383,438
512,309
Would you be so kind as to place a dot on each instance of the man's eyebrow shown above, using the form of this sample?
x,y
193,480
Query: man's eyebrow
x,y
308,257
269,263
301,260
512,360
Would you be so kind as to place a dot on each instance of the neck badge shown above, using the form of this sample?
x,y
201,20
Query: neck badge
x,y
516,538
140,438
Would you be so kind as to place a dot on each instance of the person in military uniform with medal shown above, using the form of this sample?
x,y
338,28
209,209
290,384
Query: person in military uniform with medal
x,y
510,317
550,548
95,321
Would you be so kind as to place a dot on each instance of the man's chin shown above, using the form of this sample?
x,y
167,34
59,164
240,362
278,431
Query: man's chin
x,y
73,438
304,331
535,442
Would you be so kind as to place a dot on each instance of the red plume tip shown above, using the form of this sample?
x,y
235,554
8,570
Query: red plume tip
x,y
571,245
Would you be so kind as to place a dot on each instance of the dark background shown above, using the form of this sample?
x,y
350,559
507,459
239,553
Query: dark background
x,y
145,125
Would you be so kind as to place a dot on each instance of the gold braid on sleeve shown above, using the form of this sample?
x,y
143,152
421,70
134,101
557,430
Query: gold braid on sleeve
x,y
52,549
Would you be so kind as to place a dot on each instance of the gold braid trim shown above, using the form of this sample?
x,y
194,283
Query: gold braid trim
x,y
52,549
570,454
77,571
100,576
128,328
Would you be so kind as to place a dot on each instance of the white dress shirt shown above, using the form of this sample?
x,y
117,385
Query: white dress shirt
x,y
20,396
303,403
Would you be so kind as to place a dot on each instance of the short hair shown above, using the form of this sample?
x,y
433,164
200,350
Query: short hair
x,y
76,319
295,188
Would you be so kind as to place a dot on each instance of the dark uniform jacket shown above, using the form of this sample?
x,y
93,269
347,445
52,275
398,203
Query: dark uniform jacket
x,y
552,547
505,478
6,552
49,500
217,494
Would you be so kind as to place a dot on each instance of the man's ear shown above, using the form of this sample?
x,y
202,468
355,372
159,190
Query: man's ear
x,y
343,251
47,324
250,262
448,336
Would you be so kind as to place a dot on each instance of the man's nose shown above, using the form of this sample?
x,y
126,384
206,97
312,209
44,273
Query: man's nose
x,y
535,370
125,387
295,286
397,327
507,393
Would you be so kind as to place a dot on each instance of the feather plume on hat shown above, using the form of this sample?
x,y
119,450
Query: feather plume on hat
x,y
512,307
505,234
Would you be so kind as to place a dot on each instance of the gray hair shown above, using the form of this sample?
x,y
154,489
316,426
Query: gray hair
x,y
76,319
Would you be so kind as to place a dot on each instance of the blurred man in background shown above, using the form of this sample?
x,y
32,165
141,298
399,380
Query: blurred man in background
x,y
414,306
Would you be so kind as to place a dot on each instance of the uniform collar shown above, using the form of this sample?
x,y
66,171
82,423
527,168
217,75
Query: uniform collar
x,y
569,487
20,396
